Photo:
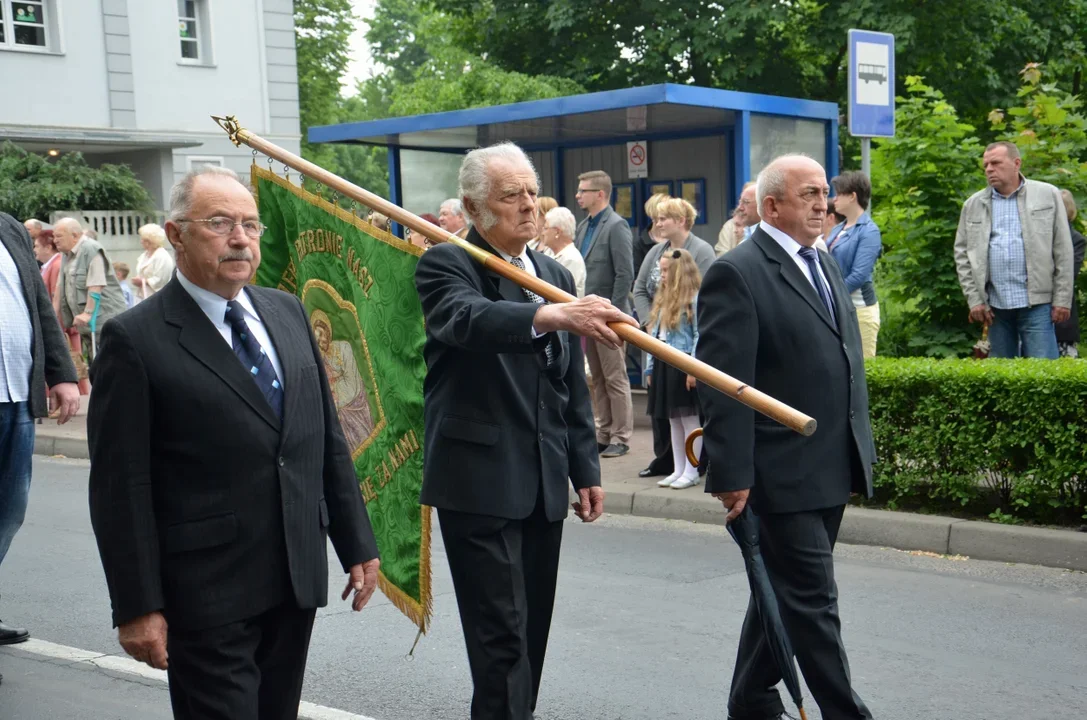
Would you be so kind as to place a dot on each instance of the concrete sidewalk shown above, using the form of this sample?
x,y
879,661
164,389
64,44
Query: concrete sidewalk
x,y
627,494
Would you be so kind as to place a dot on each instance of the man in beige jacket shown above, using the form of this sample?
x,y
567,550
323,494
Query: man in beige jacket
x,y
1013,252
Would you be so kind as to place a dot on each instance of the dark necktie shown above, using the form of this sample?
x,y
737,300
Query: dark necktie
x,y
533,297
254,359
812,259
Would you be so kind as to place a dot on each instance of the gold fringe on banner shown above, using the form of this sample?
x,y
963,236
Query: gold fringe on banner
x,y
418,612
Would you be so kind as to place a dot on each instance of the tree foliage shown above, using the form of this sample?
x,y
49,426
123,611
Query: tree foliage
x,y
323,29
970,49
34,186
1050,132
921,177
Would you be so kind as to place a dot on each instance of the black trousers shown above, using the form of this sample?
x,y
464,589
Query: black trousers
x,y
798,550
662,448
247,670
504,573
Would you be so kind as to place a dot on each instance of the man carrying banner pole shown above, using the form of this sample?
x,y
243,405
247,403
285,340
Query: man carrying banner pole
x,y
508,425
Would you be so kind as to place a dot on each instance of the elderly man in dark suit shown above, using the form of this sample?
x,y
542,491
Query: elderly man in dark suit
x,y
33,354
219,471
508,427
605,242
774,312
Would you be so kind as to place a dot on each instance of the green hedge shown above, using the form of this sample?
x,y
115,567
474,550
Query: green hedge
x,y
1003,438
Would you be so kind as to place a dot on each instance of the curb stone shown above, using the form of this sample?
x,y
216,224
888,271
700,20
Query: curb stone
x,y
860,526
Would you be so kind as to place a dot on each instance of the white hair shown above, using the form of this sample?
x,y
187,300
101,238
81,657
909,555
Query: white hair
x,y
771,181
474,180
562,220
33,223
71,223
181,193
154,233
454,206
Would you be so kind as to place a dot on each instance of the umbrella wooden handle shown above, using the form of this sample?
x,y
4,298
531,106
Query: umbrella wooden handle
x,y
695,434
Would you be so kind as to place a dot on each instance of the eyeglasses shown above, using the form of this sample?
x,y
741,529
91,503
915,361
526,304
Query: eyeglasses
x,y
225,226
582,191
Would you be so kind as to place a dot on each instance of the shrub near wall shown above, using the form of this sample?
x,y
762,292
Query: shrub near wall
x,y
1004,438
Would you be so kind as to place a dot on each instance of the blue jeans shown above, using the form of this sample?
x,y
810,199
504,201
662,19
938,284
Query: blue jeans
x,y
16,453
1024,332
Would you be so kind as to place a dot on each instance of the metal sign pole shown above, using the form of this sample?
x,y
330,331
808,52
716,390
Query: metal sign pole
x,y
866,156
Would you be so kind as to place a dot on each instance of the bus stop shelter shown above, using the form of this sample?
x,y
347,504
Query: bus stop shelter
x,y
698,143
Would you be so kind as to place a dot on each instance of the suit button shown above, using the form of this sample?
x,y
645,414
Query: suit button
x,y
850,379
542,405
851,414
541,437
282,462
845,347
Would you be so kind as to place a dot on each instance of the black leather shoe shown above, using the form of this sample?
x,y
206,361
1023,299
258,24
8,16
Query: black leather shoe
x,y
11,635
649,472
601,447
777,716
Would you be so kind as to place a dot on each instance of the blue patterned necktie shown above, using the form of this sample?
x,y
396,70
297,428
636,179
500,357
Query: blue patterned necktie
x,y
254,359
533,297
812,259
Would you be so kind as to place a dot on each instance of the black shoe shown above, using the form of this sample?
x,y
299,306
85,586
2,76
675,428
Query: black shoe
x,y
650,472
601,447
11,635
615,450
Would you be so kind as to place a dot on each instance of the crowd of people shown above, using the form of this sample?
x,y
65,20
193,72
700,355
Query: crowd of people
x,y
85,285
213,529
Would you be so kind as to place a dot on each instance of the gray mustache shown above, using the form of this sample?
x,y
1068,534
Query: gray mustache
x,y
246,255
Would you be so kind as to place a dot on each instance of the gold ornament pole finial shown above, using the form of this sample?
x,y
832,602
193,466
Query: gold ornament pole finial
x,y
231,126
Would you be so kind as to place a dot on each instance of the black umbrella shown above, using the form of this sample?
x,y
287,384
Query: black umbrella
x,y
744,529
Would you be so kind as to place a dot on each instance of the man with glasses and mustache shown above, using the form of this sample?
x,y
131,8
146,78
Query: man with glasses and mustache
x,y
219,470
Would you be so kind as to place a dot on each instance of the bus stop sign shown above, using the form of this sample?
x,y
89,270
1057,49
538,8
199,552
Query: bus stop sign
x,y
871,84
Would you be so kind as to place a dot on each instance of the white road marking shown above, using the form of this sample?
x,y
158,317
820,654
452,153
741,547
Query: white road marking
x,y
118,663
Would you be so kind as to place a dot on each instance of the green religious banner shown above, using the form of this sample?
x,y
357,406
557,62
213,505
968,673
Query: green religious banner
x,y
357,284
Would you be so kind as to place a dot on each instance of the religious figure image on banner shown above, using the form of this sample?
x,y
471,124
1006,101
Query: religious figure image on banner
x,y
345,380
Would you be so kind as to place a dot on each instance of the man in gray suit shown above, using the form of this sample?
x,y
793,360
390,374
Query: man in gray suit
x,y
605,242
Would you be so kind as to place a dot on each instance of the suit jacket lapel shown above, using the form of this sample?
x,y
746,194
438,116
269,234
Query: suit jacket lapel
x,y
202,340
598,232
507,289
794,277
289,346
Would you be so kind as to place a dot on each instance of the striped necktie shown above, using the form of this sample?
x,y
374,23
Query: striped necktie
x,y
254,359
533,297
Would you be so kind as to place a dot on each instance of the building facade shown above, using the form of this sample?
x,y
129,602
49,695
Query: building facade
x,y
136,81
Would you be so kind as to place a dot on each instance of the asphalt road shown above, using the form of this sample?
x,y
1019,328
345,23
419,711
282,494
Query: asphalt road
x,y
645,629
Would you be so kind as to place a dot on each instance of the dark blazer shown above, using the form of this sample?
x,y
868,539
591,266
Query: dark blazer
x,y
204,504
51,363
500,425
609,264
1068,331
761,321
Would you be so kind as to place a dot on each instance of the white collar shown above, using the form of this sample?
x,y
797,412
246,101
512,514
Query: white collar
x,y
214,306
507,257
782,238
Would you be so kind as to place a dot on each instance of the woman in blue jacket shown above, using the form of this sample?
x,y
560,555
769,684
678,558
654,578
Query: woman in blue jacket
x,y
855,245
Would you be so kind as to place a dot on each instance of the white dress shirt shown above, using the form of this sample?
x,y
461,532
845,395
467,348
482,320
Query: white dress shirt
x,y
792,247
530,268
214,306
16,334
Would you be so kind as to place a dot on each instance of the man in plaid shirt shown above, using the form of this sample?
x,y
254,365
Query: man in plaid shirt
x,y
1013,252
